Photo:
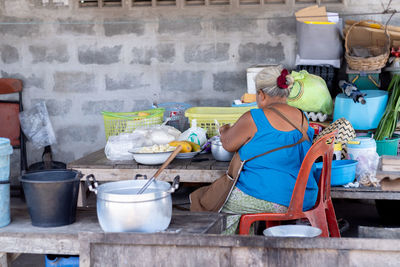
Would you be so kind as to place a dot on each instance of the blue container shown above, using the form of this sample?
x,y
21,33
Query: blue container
x,y
5,218
361,117
5,152
61,261
343,171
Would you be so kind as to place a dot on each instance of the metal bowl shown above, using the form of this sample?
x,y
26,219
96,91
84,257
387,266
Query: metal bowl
x,y
150,158
218,152
292,231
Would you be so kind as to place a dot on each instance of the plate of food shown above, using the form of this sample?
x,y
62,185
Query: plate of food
x,y
189,149
152,155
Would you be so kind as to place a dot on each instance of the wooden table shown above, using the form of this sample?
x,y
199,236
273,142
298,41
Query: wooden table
x,y
192,171
21,237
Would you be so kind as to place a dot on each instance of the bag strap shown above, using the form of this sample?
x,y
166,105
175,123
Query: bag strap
x,y
303,131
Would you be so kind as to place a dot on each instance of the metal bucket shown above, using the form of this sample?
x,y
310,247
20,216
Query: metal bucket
x,y
292,231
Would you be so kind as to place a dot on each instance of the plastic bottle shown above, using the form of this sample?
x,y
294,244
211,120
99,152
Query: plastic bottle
x,y
337,151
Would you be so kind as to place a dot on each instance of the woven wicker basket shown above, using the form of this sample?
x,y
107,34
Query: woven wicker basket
x,y
370,63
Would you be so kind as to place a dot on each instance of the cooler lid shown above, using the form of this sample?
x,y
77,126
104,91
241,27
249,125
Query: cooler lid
x,y
362,142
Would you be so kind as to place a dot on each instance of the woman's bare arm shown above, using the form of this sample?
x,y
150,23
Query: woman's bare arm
x,y
233,137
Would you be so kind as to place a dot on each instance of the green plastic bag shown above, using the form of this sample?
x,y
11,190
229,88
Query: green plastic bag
x,y
310,93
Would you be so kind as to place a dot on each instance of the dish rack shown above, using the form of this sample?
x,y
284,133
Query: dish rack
x,y
125,122
206,116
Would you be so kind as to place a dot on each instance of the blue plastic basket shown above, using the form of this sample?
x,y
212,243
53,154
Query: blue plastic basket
x,y
343,171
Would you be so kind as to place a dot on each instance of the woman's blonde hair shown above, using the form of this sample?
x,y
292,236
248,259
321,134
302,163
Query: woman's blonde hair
x,y
266,81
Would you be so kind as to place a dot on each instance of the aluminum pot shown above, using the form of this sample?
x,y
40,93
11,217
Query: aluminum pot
x,y
218,152
121,209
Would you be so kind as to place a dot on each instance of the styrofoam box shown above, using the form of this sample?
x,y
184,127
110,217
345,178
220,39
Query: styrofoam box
x,y
251,74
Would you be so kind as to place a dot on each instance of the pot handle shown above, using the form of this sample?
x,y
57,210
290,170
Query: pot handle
x,y
140,175
175,184
92,183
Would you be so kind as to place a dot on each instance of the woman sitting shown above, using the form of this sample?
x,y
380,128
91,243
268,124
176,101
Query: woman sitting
x,y
266,183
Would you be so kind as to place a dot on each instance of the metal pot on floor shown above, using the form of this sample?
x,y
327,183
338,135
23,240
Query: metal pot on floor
x,y
121,209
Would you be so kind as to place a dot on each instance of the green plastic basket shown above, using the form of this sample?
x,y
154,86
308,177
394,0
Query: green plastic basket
x,y
388,146
206,116
125,122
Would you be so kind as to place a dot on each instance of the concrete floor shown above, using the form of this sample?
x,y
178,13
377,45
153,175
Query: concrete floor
x,y
354,212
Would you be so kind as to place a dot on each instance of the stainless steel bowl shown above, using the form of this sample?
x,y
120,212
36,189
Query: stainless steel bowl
x,y
218,152
292,231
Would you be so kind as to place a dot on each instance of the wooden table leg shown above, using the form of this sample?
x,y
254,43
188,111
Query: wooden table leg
x,y
4,260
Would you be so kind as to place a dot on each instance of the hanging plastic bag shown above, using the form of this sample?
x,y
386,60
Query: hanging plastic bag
x,y
36,125
310,93
194,134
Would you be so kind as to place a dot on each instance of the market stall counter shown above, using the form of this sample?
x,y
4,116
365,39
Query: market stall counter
x,y
20,236
200,169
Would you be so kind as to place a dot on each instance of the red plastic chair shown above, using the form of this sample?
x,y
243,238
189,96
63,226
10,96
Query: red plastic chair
x,y
9,117
323,213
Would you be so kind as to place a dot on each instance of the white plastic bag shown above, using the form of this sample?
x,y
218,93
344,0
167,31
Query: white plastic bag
x,y
366,168
194,134
118,147
36,125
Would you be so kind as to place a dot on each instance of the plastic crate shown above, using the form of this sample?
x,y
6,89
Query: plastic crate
x,y
364,80
125,122
61,261
205,116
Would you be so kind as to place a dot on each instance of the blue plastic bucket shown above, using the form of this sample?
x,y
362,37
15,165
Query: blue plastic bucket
x,y
5,218
5,152
361,117
343,171
61,261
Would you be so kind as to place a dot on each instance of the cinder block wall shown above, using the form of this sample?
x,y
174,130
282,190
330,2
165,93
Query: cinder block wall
x,y
85,60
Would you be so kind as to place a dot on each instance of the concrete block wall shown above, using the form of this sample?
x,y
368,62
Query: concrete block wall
x,y
85,60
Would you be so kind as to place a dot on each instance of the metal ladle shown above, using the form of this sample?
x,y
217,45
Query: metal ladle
x,y
165,164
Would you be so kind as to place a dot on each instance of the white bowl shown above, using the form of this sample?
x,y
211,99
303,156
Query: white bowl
x,y
150,158
292,231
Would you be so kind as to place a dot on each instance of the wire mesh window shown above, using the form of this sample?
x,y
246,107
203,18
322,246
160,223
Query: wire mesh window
x,y
258,2
188,3
100,3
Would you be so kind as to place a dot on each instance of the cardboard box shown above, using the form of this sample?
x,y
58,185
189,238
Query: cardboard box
x,y
365,36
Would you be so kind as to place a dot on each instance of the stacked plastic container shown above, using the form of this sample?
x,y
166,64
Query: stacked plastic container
x,y
5,152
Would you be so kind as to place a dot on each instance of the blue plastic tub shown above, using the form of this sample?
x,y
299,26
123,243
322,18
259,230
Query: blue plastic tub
x,y
61,261
361,117
5,152
343,171
5,218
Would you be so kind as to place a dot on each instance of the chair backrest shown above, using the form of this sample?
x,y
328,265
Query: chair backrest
x,y
10,86
322,148
9,111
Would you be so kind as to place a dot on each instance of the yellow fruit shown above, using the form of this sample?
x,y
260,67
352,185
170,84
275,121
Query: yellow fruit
x,y
195,147
186,147
142,114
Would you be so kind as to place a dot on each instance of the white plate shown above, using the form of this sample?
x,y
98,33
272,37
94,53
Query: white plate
x,y
150,158
188,155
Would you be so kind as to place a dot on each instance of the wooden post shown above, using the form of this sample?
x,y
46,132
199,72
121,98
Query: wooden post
x,y
3,260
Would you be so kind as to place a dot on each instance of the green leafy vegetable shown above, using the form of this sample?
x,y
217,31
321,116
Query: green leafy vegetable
x,y
388,123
